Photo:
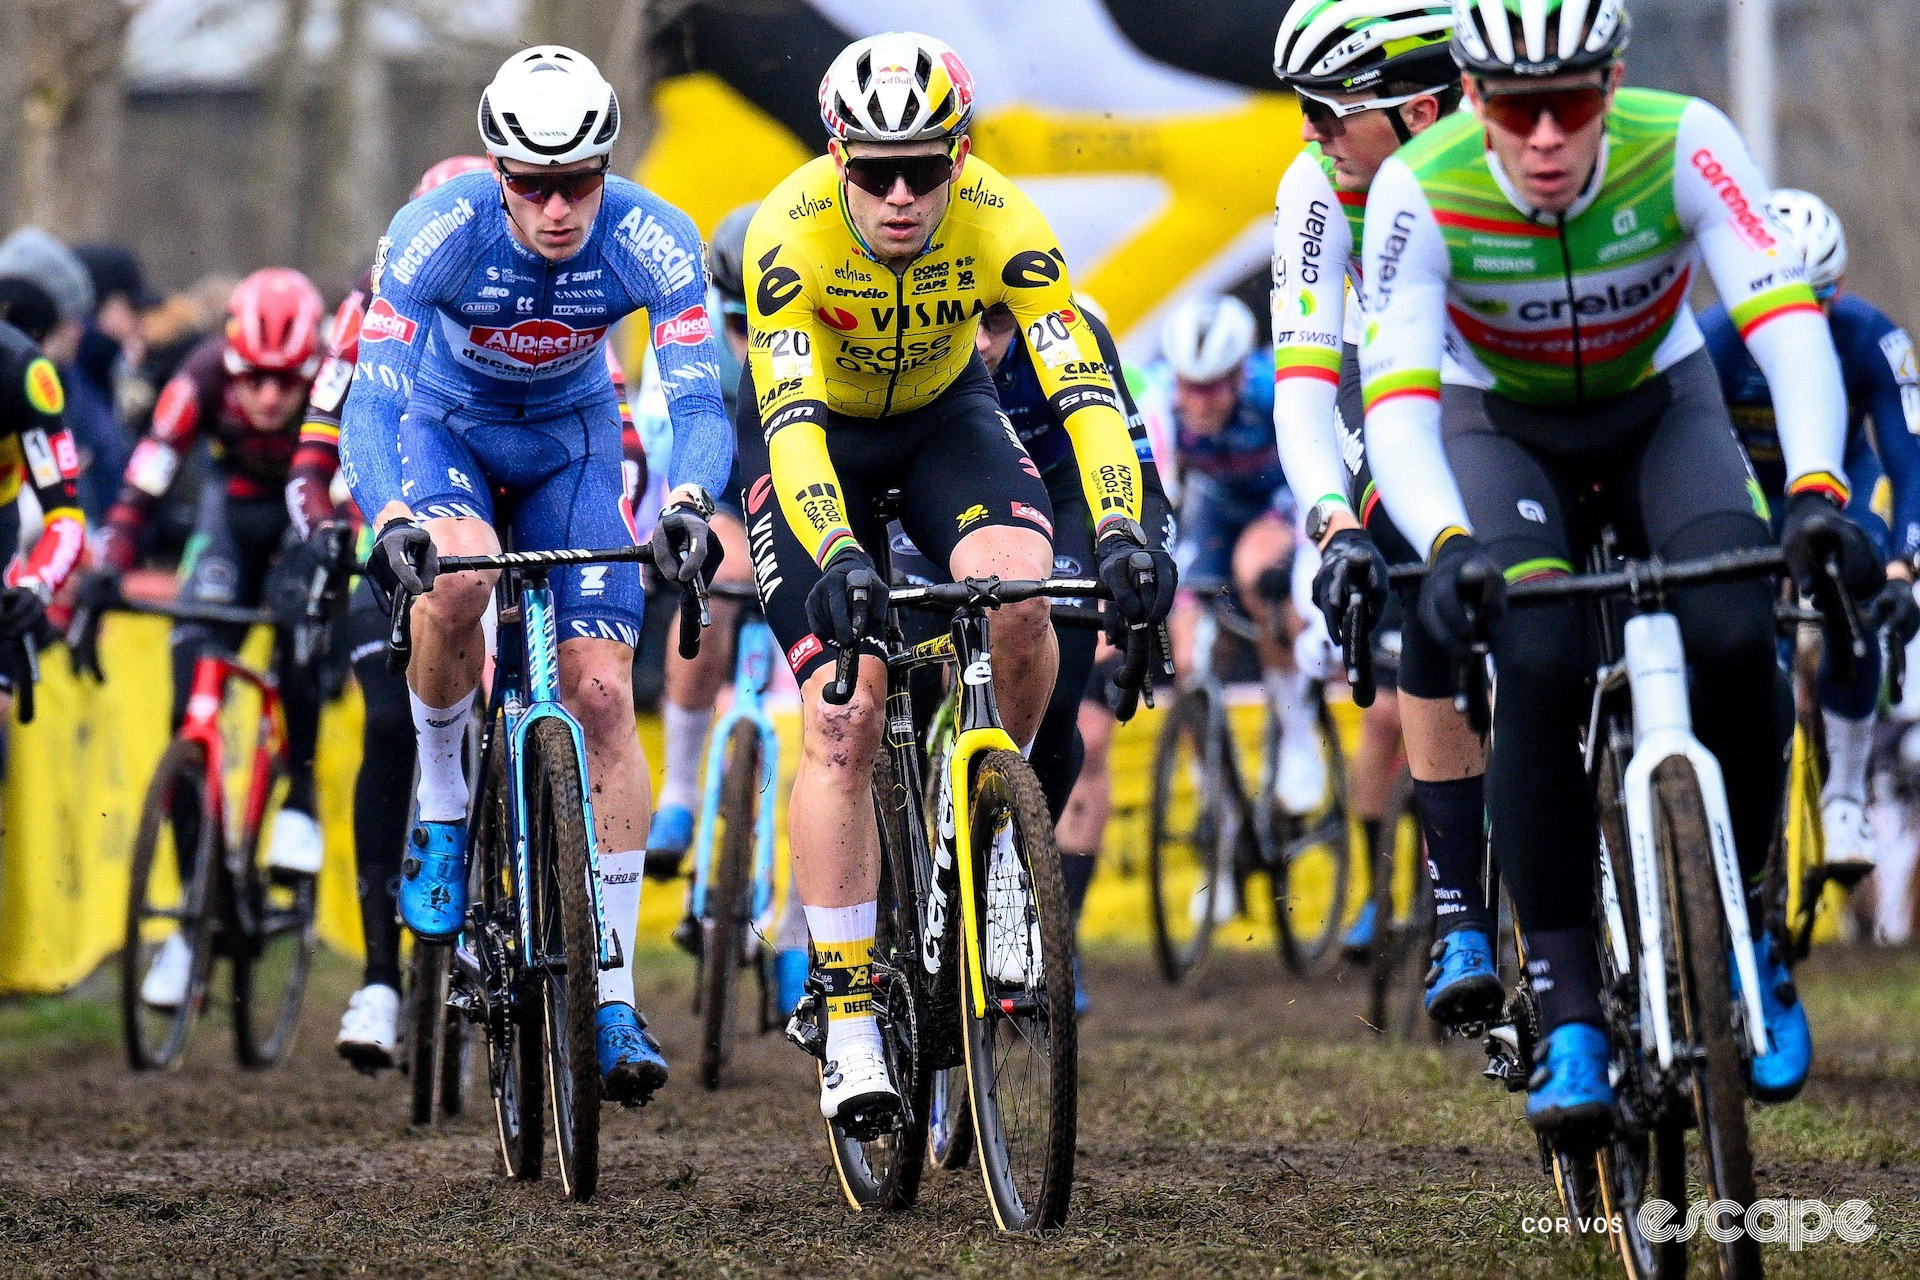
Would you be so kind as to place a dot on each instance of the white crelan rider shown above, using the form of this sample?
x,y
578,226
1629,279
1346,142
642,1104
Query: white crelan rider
x,y
1369,78
1528,352
481,372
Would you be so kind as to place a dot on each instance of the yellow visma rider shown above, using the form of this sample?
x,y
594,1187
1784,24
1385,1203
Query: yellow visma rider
x,y
867,273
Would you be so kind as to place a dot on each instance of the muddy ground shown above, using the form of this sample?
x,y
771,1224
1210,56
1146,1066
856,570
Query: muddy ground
x,y
1254,1127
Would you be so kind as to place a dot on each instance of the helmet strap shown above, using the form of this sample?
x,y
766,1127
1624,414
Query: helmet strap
x,y
1399,124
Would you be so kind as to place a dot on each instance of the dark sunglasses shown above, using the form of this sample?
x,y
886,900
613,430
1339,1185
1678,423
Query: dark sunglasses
x,y
257,378
876,175
542,187
1519,110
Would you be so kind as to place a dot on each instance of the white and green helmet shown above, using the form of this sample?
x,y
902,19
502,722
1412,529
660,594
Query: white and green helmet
x,y
1346,46
1537,37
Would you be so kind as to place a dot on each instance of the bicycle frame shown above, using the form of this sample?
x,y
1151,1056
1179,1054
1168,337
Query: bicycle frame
x,y
1655,668
977,730
526,690
212,672
753,674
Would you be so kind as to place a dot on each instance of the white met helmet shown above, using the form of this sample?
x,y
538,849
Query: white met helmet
x,y
1207,338
1537,37
896,87
1350,45
1816,232
549,105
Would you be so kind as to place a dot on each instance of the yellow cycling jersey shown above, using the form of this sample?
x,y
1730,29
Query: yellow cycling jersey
x,y
833,330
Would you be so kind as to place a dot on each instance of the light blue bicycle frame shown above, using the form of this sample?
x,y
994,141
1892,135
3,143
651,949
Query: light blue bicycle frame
x,y
529,655
753,672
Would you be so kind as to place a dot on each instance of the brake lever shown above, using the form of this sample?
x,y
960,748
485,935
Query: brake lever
x,y
695,616
400,632
846,666
1356,643
29,677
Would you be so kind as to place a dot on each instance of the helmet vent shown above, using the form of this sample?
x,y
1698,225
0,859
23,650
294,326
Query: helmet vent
x,y
863,71
923,69
910,113
611,126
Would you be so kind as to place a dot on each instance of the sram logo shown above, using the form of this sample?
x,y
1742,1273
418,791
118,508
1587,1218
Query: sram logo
x,y
383,322
533,342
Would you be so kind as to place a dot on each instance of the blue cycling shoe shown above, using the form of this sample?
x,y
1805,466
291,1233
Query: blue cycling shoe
x,y
789,979
1080,1002
1569,1090
1462,987
631,1067
1778,1074
433,880
1358,939
668,840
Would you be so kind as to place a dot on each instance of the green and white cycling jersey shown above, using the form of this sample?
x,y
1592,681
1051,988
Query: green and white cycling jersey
x,y
1316,246
1568,310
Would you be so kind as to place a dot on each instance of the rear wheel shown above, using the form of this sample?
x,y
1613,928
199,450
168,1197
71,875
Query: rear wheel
x,y
1718,1074
162,903
884,1172
729,907
1022,1052
1194,829
1312,861
566,930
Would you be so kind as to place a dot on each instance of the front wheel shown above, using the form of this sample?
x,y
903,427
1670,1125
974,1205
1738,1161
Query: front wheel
x,y
1699,930
273,957
1193,831
1310,856
1022,1036
566,930
728,920
170,896
426,1005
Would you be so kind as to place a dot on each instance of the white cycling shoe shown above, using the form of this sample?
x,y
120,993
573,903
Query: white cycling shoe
x,y
165,985
370,1028
296,845
1226,902
1300,783
856,1091
1849,835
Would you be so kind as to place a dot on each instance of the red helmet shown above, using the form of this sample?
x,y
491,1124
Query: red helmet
x,y
273,324
451,167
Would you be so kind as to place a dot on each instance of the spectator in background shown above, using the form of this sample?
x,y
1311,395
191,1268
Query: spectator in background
x,y
111,346
33,254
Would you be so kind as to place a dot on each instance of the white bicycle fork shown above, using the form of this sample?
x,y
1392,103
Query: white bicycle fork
x,y
1656,670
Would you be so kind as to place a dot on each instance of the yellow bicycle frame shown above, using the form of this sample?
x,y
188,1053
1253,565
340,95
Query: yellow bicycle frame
x,y
969,744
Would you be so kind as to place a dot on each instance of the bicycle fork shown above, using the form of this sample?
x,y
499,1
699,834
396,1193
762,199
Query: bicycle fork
x,y
1656,670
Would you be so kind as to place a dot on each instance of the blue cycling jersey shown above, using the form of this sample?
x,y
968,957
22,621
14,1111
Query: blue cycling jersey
x,y
465,320
1883,410
1243,458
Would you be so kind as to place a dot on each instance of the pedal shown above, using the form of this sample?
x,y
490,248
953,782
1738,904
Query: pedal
x,y
686,935
870,1118
807,1028
1505,1062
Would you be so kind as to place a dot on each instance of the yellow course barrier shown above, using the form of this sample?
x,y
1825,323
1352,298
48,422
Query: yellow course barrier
x,y
76,778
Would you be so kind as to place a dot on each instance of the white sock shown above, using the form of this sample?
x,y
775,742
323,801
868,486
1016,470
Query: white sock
x,y
1849,743
620,899
686,735
443,739
843,940
1288,689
